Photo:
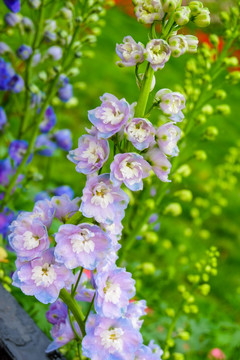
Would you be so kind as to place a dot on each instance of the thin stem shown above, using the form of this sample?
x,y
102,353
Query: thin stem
x,y
75,309
75,219
89,309
77,282
72,325
144,92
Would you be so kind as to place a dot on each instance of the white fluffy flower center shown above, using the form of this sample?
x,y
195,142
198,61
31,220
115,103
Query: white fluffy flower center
x,y
102,195
110,115
112,340
44,275
138,132
81,242
30,241
158,54
112,293
129,169
92,153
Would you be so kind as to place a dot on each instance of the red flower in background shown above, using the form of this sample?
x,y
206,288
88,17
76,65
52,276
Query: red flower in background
x,y
126,5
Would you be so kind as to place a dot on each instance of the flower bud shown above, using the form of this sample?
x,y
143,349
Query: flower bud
x,y
203,18
224,16
231,61
210,133
184,195
220,94
196,7
35,4
178,45
205,289
178,356
233,77
173,209
194,212
207,109
170,5
24,52
66,13
216,354
170,312
192,42
223,109
214,39
27,24
182,15
148,268
184,170
151,237
148,11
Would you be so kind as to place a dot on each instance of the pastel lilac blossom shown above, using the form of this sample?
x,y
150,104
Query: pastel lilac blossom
x,y
84,291
65,92
64,189
141,133
155,349
102,200
12,19
6,74
64,206
42,277
171,103
16,84
157,53
44,145
4,48
90,154
57,312
62,333
13,5
114,290
167,138
17,150
178,45
81,245
55,52
109,261
159,162
42,195
5,171
135,310
44,211
111,116
24,52
130,169
148,11
35,4
27,24
63,139
28,237
130,52
114,231
110,339
49,120
3,118
192,42
146,353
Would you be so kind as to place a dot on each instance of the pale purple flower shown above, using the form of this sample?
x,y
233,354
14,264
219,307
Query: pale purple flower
x,y
159,162
135,311
3,118
27,24
155,349
81,245
16,84
44,211
17,150
42,277
146,353
44,145
6,217
171,103
62,333
130,169
141,133
109,261
102,200
28,237
49,120
65,92
24,52
64,206
35,4
64,189
42,195
167,138
110,339
4,48
157,53
114,231
55,52
111,116
90,154
63,139
57,312
148,11
114,290
12,19
178,45
130,52
5,171
84,291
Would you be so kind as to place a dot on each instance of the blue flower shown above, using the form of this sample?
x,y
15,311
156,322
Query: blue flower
x,y
17,150
45,146
49,120
3,117
24,52
64,189
63,139
13,5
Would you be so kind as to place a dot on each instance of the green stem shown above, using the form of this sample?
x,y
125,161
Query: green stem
x,y
74,308
72,325
144,92
77,282
89,309
75,219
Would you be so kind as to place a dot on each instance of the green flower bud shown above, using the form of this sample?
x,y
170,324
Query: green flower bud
x,y
204,234
224,16
205,289
194,212
173,209
184,335
214,40
166,355
150,204
193,309
207,109
170,5
7,287
184,170
66,13
188,232
202,19
220,94
148,268
223,109
181,288
196,7
43,76
182,15
205,277
151,237
170,343
170,312
178,356
231,61
184,195
200,155
211,133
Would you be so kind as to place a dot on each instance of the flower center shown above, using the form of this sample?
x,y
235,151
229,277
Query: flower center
x,y
82,242
93,153
112,340
138,132
110,113
30,241
112,293
102,195
129,169
44,275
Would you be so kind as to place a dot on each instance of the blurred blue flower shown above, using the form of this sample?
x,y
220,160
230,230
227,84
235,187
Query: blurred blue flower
x,y
13,5
64,139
